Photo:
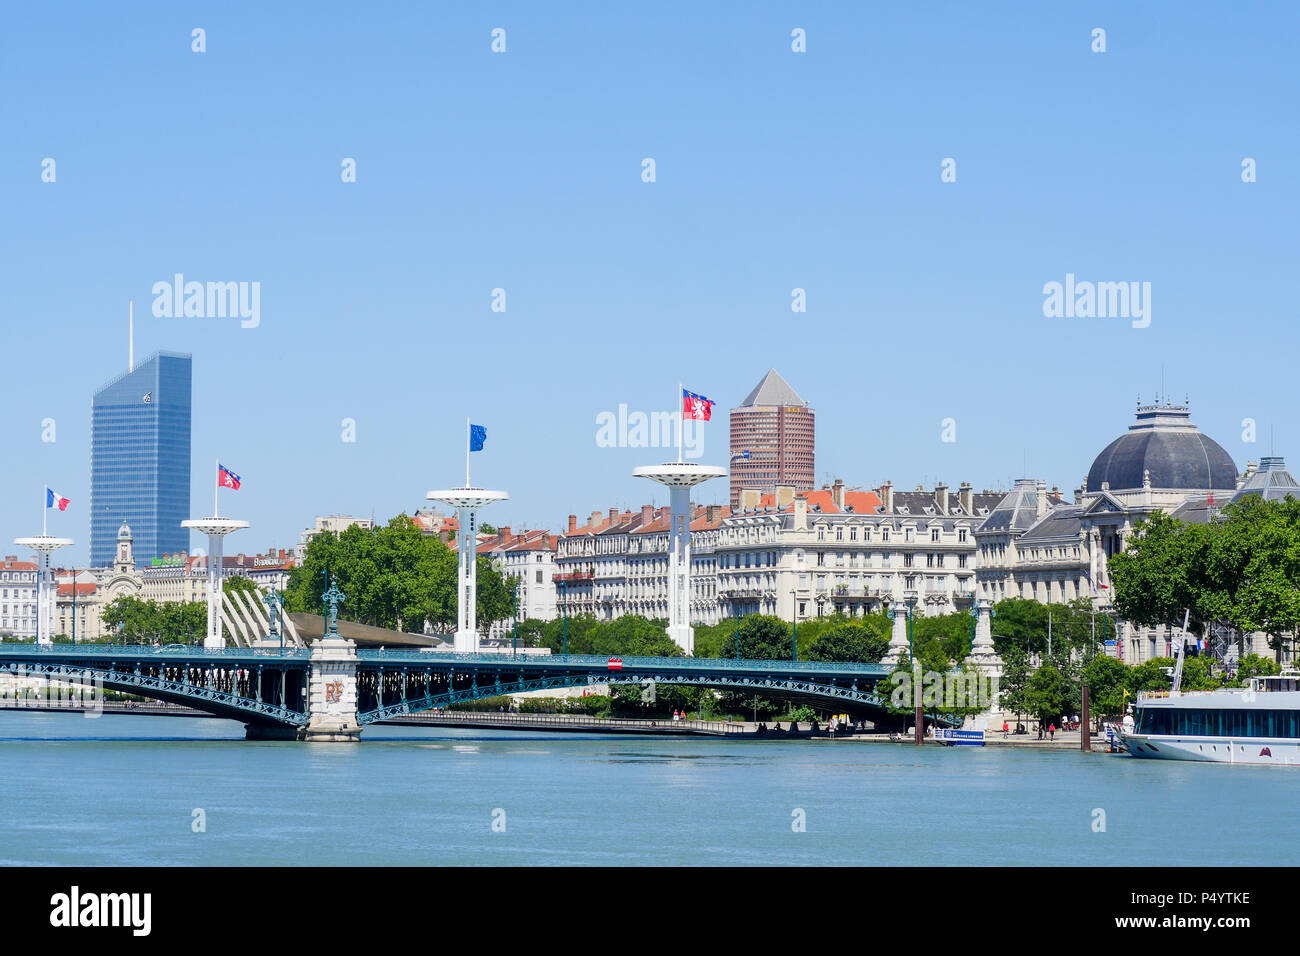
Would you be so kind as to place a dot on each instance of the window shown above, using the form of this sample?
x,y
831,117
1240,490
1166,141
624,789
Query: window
x,y
907,560
961,536
934,534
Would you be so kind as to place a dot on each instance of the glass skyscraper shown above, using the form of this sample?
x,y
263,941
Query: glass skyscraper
x,y
140,459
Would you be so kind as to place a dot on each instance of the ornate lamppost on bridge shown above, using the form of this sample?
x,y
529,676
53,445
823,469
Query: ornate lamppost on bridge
x,y
332,679
274,601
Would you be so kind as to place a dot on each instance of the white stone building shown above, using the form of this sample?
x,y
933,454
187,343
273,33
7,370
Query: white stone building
x,y
617,564
1036,546
850,552
18,597
529,557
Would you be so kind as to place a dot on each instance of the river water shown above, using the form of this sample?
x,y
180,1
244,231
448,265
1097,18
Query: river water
x,y
131,790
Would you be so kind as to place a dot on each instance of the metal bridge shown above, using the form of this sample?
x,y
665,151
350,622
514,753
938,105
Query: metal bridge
x,y
271,689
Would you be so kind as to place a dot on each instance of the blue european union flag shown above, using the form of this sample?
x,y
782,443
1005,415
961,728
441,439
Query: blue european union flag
x,y
477,436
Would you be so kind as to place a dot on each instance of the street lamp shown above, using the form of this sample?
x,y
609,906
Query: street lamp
x,y
794,616
75,572
911,651
737,636
514,652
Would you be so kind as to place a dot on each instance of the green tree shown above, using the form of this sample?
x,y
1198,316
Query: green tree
x,y
393,576
239,583
1253,665
1107,680
1048,694
848,642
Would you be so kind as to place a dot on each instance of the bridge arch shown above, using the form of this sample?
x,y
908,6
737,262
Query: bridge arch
x,y
212,698
798,689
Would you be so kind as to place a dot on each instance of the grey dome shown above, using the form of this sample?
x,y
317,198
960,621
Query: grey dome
x,y
1166,444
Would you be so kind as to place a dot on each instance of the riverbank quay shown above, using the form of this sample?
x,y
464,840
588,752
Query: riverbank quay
x,y
1065,740
574,723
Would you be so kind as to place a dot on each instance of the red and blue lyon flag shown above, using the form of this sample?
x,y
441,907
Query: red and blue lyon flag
x,y
696,407
55,500
227,478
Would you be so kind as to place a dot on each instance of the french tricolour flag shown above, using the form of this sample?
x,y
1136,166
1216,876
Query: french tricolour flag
x,y
55,500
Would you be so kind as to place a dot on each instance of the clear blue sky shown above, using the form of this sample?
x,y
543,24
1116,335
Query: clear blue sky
x,y
522,170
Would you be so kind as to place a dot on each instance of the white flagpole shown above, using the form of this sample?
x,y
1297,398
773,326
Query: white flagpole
x,y
467,427
45,509
681,420
216,487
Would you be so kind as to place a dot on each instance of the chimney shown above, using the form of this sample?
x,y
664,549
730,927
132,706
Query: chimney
x,y
595,521
613,515
966,497
837,494
750,498
800,513
1041,487
573,523
887,496
647,515
505,534
785,495
941,497
713,513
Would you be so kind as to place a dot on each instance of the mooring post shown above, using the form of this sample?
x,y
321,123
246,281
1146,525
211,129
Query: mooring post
x,y
920,726
1085,726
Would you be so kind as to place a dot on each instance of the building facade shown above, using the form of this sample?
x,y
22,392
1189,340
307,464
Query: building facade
x,y
773,440
528,557
18,597
181,578
840,551
617,564
1037,547
140,459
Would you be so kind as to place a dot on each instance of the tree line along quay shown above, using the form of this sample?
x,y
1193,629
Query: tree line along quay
x,y
1236,574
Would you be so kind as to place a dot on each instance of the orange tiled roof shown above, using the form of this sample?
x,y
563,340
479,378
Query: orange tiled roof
x,y
862,502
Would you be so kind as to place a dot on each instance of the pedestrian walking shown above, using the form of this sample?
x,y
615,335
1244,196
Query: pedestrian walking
x,y
1052,730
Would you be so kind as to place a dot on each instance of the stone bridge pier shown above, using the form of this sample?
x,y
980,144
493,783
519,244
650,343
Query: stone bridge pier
x,y
332,691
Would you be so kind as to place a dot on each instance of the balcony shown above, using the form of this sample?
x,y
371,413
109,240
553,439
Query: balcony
x,y
574,577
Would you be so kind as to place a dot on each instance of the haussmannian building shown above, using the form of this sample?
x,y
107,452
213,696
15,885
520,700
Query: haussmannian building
x,y
841,551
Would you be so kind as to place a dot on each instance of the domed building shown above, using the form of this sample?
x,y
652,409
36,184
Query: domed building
x,y
1046,550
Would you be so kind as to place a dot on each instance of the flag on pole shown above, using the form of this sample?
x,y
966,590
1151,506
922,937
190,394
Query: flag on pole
x,y
477,436
227,478
696,407
55,500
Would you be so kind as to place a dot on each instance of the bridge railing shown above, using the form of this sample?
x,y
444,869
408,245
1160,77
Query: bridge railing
x,y
163,652
603,660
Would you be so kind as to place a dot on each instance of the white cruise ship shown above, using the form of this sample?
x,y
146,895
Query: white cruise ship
x,y
1259,724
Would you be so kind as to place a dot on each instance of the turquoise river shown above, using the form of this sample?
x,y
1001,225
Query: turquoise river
x,y
133,790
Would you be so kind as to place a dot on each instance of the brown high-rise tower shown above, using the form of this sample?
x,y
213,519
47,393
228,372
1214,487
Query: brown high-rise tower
x,y
777,428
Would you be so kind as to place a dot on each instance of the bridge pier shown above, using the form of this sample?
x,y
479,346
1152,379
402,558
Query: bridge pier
x,y
332,692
